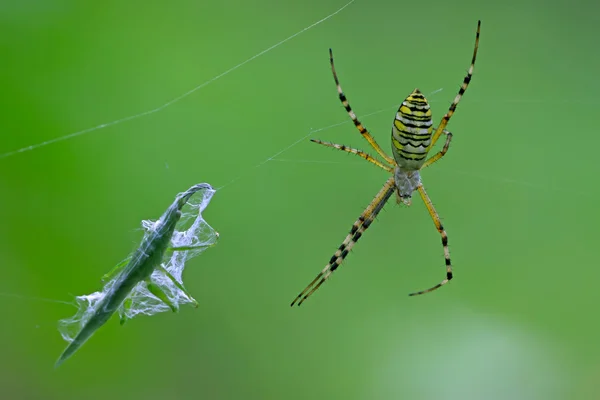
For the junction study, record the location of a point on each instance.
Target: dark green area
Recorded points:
(517, 193)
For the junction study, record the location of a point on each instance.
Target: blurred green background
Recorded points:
(517, 194)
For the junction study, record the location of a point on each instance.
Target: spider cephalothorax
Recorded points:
(406, 183)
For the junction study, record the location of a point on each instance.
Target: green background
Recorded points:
(517, 193)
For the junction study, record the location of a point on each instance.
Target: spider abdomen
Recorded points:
(411, 132)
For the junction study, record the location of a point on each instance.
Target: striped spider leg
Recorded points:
(413, 136)
(358, 228)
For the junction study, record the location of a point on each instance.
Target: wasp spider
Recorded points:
(413, 136)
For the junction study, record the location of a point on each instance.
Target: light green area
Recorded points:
(517, 193)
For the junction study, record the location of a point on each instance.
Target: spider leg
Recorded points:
(441, 153)
(358, 228)
(440, 228)
(462, 90)
(363, 131)
(359, 153)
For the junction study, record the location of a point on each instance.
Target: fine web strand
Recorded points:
(172, 101)
(311, 132)
(34, 298)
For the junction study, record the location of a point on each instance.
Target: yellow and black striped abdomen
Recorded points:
(411, 132)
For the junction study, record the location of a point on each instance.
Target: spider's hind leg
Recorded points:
(358, 228)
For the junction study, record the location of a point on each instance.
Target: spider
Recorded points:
(413, 136)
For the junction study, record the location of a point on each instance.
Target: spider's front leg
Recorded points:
(442, 152)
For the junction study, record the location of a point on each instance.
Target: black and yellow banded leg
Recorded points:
(358, 228)
(441, 153)
(440, 228)
(363, 131)
(461, 91)
(359, 153)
